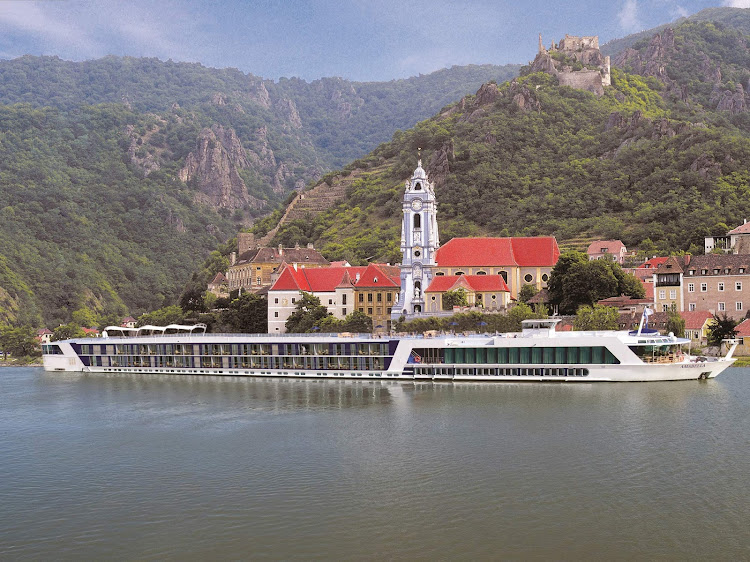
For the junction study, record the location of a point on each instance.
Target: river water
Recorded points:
(148, 467)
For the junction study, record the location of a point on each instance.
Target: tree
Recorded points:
(162, 317)
(675, 323)
(576, 281)
(84, 317)
(307, 315)
(192, 300)
(453, 298)
(19, 342)
(357, 322)
(247, 314)
(67, 332)
(723, 328)
(527, 292)
(596, 318)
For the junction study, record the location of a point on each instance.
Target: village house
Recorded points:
(697, 324)
(371, 289)
(219, 286)
(736, 241)
(44, 336)
(716, 283)
(613, 250)
(488, 292)
(743, 335)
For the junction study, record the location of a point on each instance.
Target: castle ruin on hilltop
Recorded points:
(576, 61)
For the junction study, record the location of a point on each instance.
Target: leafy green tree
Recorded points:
(67, 332)
(85, 317)
(596, 318)
(453, 298)
(527, 292)
(192, 300)
(163, 317)
(19, 342)
(308, 314)
(675, 323)
(576, 281)
(357, 322)
(722, 328)
(247, 314)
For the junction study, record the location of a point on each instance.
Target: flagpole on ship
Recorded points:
(644, 319)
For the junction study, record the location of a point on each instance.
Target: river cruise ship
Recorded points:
(537, 353)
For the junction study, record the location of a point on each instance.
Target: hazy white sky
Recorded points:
(354, 39)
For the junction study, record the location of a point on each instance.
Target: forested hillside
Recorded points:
(658, 161)
(119, 176)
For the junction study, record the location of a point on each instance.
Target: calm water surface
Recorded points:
(139, 467)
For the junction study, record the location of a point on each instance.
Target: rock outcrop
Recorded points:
(214, 167)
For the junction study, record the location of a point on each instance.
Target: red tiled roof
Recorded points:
(474, 252)
(376, 275)
(478, 283)
(219, 278)
(609, 246)
(43, 331)
(291, 280)
(743, 329)
(694, 320)
(742, 229)
(653, 263)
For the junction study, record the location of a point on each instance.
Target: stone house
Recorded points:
(254, 268)
(219, 286)
(716, 283)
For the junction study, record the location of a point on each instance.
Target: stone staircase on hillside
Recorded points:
(310, 203)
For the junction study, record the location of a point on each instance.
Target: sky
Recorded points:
(363, 40)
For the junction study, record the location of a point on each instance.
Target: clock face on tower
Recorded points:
(416, 204)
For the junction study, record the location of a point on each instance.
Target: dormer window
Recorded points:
(727, 270)
(691, 272)
(716, 271)
(742, 270)
(704, 272)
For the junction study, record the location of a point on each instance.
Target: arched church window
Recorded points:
(460, 273)
(504, 275)
(417, 220)
(481, 273)
(439, 274)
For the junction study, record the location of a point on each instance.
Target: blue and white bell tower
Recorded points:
(419, 242)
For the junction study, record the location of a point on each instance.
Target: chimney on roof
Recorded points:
(357, 280)
(233, 258)
(687, 259)
(296, 245)
(310, 246)
(281, 250)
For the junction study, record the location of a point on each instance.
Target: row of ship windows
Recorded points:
(530, 355)
(501, 372)
(373, 349)
(234, 372)
(287, 362)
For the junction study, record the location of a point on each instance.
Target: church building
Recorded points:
(495, 268)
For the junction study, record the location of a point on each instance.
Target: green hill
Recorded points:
(93, 211)
(533, 158)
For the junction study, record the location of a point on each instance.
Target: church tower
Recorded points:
(419, 243)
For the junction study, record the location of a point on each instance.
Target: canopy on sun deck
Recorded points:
(121, 332)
